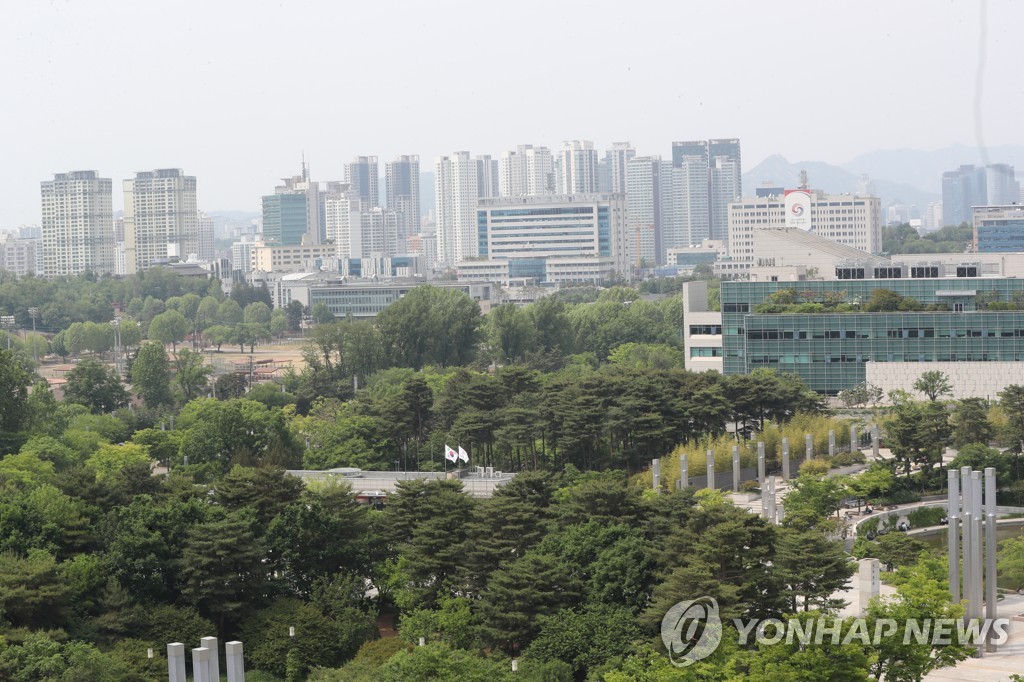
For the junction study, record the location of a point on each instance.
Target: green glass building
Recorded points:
(285, 219)
(829, 347)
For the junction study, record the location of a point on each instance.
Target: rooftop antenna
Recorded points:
(803, 180)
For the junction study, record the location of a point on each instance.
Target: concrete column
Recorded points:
(874, 445)
(853, 439)
(785, 459)
(780, 512)
(656, 474)
(711, 470)
(809, 447)
(771, 500)
(977, 596)
(214, 667)
(831, 443)
(968, 525)
(235, 661)
(760, 462)
(953, 534)
(176, 662)
(735, 468)
(990, 551)
(869, 582)
(764, 502)
(684, 471)
(200, 664)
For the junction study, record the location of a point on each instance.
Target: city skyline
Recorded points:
(921, 84)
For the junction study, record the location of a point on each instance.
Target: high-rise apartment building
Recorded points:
(206, 250)
(364, 178)
(456, 192)
(487, 172)
(18, 256)
(402, 189)
(685, 220)
(527, 171)
(644, 188)
(161, 221)
(579, 168)
(78, 224)
(358, 230)
(616, 160)
(725, 176)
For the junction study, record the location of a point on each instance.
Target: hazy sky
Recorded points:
(233, 92)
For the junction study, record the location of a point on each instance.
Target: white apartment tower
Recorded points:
(161, 221)
(579, 167)
(487, 171)
(456, 194)
(617, 158)
(527, 171)
(206, 251)
(357, 230)
(78, 224)
(685, 218)
(644, 187)
(402, 195)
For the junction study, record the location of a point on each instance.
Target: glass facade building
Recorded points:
(829, 349)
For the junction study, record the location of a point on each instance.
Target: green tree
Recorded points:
(257, 312)
(151, 375)
(430, 325)
(295, 311)
(900, 657)
(584, 638)
(229, 313)
(94, 385)
(971, 423)
(321, 314)
(169, 327)
(222, 567)
(109, 460)
(278, 322)
(519, 594)
(14, 383)
(192, 374)
(811, 568)
(933, 384)
(1011, 561)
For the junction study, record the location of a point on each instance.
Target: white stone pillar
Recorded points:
(656, 474)
(785, 459)
(684, 472)
(735, 468)
(760, 462)
(711, 470)
(809, 447)
(200, 664)
(176, 662)
(869, 582)
(235, 661)
(831, 442)
(214, 665)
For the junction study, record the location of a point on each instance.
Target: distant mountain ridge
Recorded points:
(911, 176)
(780, 172)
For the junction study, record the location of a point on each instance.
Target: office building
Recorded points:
(963, 189)
(456, 191)
(998, 229)
(685, 204)
(578, 167)
(78, 224)
(402, 195)
(358, 230)
(1001, 185)
(364, 179)
(241, 254)
(849, 220)
(550, 238)
(161, 221)
(303, 258)
(293, 214)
